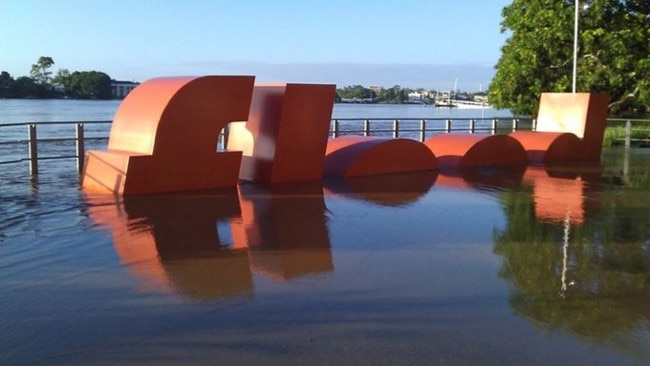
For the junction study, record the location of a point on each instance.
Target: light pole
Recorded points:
(575, 45)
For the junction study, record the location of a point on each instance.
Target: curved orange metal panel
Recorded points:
(549, 147)
(359, 156)
(165, 133)
(468, 150)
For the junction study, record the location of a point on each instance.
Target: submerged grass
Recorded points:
(616, 135)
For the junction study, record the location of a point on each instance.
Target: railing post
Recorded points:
(395, 128)
(335, 129)
(33, 149)
(423, 130)
(81, 151)
(628, 134)
(366, 127)
(493, 128)
(472, 125)
(515, 124)
(534, 124)
(223, 137)
(448, 126)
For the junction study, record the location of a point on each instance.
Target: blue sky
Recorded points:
(416, 43)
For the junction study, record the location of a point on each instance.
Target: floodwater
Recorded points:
(535, 267)
(488, 267)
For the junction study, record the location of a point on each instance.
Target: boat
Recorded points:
(444, 100)
(469, 104)
(449, 99)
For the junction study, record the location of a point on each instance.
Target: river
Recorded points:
(34, 110)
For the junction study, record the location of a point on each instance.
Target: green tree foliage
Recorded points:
(88, 85)
(355, 92)
(25, 86)
(393, 95)
(614, 53)
(61, 76)
(41, 70)
(6, 85)
(41, 84)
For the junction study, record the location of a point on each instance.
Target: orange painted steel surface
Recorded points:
(351, 156)
(470, 150)
(286, 134)
(549, 147)
(570, 126)
(164, 137)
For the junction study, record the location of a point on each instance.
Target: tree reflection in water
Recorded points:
(577, 254)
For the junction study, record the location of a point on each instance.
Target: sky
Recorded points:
(432, 44)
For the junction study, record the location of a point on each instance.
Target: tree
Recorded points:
(614, 53)
(25, 87)
(6, 84)
(41, 70)
(61, 76)
(88, 84)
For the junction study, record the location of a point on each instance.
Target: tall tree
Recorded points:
(61, 76)
(41, 70)
(614, 52)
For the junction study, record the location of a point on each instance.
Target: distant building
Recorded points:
(415, 97)
(59, 88)
(121, 88)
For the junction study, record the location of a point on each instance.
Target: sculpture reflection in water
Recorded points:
(284, 228)
(394, 190)
(572, 265)
(206, 245)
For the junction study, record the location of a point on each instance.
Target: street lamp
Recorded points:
(575, 45)
(575, 42)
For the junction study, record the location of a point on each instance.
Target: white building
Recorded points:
(122, 88)
(415, 97)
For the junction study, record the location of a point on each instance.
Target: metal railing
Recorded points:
(422, 128)
(415, 128)
(630, 130)
(33, 142)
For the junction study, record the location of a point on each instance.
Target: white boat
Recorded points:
(444, 100)
(469, 104)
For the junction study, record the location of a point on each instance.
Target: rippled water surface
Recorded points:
(514, 267)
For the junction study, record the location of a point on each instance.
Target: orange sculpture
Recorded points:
(164, 137)
(352, 156)
(286, 134)
(570, 126)
(470, 150)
